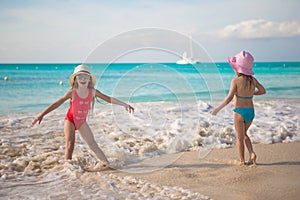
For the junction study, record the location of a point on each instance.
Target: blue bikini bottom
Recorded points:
(247, 113)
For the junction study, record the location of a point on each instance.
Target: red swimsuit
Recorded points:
(79, 109)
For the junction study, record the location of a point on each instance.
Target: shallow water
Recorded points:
(32, 87)
(32, 165)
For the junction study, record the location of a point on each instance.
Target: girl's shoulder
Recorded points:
(70, 91)
(68, 94)
(235, 80)
(238, 81)
(242, 78)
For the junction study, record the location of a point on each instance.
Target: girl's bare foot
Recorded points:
(98, 167)
(242, 163)
(102, 166)
(252, 160)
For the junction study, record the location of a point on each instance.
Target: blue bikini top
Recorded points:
(242, 97)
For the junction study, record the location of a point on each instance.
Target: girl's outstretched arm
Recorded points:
(108, 99)
(52, 107)
(227, 100)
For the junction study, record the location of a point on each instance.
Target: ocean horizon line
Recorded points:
(77, 63)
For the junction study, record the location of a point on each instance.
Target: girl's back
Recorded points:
(245, 88)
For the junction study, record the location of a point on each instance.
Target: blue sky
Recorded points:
(68, 31)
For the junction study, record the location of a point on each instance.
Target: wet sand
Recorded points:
(276, 175)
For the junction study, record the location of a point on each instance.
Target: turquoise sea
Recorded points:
(171, 116)
(31, 87)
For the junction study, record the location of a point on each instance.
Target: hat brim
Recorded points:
(72, 78)
(238, 68)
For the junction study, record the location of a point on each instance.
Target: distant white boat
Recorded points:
(187, 60)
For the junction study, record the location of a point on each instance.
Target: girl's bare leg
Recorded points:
(69, 130)
(252, 155)
(88, 136)
(239, 126)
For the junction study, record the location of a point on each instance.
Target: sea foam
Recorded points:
(32, 157)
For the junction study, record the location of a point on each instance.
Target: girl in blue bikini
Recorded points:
(242, 89)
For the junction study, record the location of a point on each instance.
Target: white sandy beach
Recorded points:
(276, 175)
(155, 153)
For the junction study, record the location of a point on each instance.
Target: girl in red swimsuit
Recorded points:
(81, 97)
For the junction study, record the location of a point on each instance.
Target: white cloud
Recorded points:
(261, 28)
(68, 30)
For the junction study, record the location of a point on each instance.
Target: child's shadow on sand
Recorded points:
(279, 163)
(203, 165)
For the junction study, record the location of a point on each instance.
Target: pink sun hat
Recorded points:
(242, 63)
